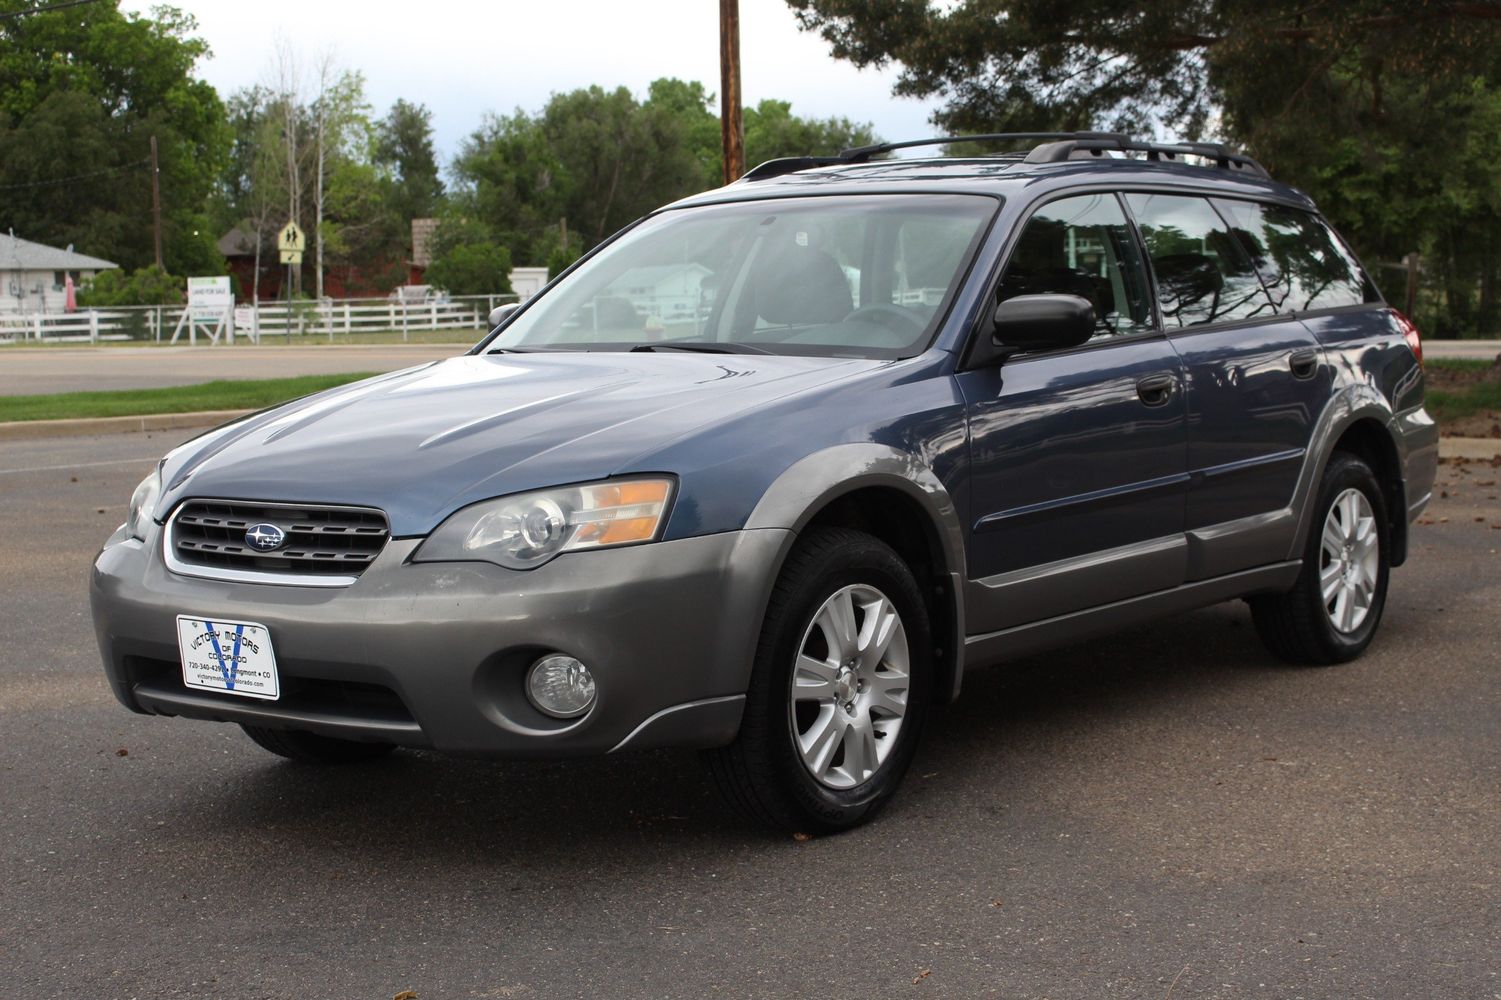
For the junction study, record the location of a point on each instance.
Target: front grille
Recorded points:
(321, 541)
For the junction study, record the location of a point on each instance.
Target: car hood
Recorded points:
(421, 443)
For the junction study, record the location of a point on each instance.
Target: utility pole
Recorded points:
(731, 128)
(156, 205)
(1410, 300)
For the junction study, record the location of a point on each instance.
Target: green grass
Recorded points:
(1439, 367)
(1459, 388)
(1453, 404)
(249, 394)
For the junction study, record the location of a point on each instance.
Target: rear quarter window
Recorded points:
(1302, 263)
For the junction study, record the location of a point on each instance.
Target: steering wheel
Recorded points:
(894, 318)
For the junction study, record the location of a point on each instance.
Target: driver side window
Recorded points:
(1083, 246)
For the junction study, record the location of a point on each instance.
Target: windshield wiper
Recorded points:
(718, 347)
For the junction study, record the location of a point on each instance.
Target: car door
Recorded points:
(1077, 456)
(1257, 379)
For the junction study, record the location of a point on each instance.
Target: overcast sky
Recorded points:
(462, 59)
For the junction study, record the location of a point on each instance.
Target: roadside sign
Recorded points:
(290, 238)
(210, 298)
(244, 318)
(291, 257)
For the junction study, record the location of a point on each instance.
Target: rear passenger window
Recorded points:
(1302, 263)
(1083, 246)
(1203, 274)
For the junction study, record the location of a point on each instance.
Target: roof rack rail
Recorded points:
(1157, 152)
(1055, 147)
(862, 154)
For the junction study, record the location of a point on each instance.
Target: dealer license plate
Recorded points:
(229, 657)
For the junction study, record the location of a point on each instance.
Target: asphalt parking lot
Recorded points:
(1164, 813)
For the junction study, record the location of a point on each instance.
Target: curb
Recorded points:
(1485, 449)
(27, 430)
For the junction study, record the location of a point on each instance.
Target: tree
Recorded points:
(342, 135)
(597, 160)
(1383, 111)
(407, 163)
(772, 130)
(147, 286)
(472, 269)
(251, 193)
(82, 91)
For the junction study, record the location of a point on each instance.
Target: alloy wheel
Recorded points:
(1349, 560)
(848, 694)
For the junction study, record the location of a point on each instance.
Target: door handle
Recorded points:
(1304, 363)
(1156, 390)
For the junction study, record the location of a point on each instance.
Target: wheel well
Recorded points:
(902, 523)
(1370, 442)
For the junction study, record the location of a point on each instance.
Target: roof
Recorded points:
(238, 242)
(17, 254)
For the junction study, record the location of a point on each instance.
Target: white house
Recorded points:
(32, 275)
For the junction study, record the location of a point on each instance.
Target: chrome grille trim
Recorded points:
(328, 545)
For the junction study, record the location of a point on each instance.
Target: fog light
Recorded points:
(560, 686)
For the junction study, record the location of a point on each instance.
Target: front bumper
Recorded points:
(435, 654)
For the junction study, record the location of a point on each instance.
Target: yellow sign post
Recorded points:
(290, 238)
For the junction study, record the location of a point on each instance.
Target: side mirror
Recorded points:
(499, 313)
(1042, 323)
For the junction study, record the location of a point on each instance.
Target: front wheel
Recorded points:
(1331, 613)
(839, 690)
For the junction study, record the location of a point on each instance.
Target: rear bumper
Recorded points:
(1419, 434)
(434, 655)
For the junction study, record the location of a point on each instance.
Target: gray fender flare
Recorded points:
(1349, 406)
(814, 481)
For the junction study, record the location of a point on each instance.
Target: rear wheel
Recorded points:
(839, 690)
(310, 748)
(1332, 611)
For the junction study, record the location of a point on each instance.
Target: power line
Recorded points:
(41, 10)
(134, 165)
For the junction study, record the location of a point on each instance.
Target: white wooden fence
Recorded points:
(277, 320)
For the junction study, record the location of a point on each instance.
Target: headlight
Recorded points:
(525, 531)
(143, 505)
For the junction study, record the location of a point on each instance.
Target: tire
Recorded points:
(1301, 626)
(310, 748)
(811, 755)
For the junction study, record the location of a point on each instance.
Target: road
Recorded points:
(37, 370)
(1167, 811)
(27, 371)
(1477, 350)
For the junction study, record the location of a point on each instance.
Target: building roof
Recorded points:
(17, 254)
(239, 241)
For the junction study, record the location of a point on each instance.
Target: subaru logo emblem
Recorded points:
(265, 537)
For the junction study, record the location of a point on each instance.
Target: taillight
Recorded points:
(1410, 334)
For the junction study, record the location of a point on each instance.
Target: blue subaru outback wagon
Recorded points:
(768, 471)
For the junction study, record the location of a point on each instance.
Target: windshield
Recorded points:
(865, 277)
